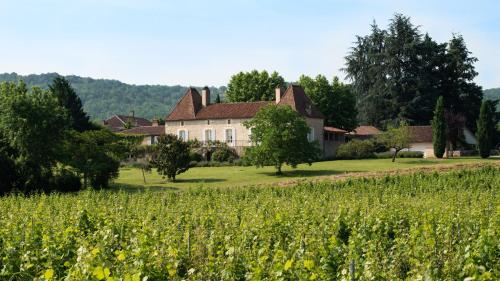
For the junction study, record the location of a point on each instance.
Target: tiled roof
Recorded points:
(296, 98)
(187, 107)
(146, 130)
(365, 131)
(334, 130)
(190, 108)
(136, 121)
(421, 133)
(231, 110)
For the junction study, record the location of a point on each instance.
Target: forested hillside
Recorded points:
(102, 97)
(493, 94)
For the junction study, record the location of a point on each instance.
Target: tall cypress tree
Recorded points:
(68, 99)
(485, 127)
(439, 129)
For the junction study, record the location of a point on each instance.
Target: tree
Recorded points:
(398, 74)
(67, 98)
(95, 155)
(280, 135)
(455, 124)
(253, 86)
(439, 129)
(217, 98)
(171, 156)
(32, 127)
(336, 100)
(397, 138)
(485, 128)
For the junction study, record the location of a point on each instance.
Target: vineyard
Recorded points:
(435, 226)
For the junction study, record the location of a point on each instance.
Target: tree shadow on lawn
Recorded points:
(305, 173)
(200, 180)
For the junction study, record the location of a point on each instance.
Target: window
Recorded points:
(209, 136)
(310, 135)
(208, 122)
(228, 121)
(229, 135)
(249, 135)
(183, 135)
(154, 139)
(182, 123)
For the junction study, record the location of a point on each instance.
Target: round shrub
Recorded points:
(66, 181)
(356, 149)
(224, 154)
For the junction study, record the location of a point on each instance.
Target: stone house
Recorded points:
(117, 123)
(195, 118)
(150, 133)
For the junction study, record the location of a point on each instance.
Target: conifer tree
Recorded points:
(485, 129)
(439, 129)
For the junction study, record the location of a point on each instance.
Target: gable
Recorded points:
(187, 107)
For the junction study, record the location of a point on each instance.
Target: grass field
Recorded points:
(131, 178)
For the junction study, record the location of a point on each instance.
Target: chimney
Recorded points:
(279, 93)
(155, 122)
(205, 96)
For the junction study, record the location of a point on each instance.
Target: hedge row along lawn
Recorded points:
(435, 226)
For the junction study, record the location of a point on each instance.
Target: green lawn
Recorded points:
(131, 178)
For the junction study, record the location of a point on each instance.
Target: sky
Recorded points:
(199, 43)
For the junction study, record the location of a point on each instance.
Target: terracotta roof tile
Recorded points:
(296, 98)
(136, 121)
(231, 110)
(421, 133)
(334, 130)
(145, 130)
(365, 131)
(187, 107)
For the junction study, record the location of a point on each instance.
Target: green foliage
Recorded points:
(67, 98)
(65, 180)
(396, 138)
(102, 98)
(96, 155)
(171, 156)
(485, 128)
(279, 135)
(439, 129)
(393, 228)
(398, 74)
(217, 98)
(224, 153)
(32, 128)
(494, 95)
(356, 149)
(336, 100)
(253, 86)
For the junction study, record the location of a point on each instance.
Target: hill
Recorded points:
(103, 97)
(493, 94)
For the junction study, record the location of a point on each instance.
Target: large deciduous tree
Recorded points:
(253, 86)
(67, 98)
(335, 100)
(439, 129)
(485, 128)
(280, 135)
(32, 128)
(398, 74)
(171, 156)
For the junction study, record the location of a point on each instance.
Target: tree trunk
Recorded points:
(278, 169)
(394, 155)
(143, 176)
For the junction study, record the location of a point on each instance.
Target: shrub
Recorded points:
(66, 181)
(356, 149)
(402, 154)
(224, 154)
(195, 157)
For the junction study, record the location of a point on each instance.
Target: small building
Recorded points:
(422, 140)
(117, 123)
(363, 132)
(150, 133)
(333, 138)
(194, 117)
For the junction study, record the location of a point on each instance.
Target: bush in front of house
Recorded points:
(65, 181)
(356, 149)
(224, 153)
(402, 154)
